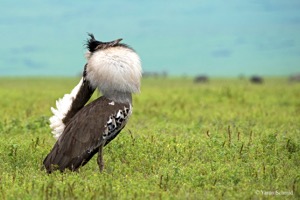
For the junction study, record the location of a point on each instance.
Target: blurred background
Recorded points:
(211, 37)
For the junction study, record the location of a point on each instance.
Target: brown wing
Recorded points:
(83, 135)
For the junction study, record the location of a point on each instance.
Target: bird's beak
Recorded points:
(104, 45)
(113, 43)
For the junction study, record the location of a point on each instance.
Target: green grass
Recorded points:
(223, 139)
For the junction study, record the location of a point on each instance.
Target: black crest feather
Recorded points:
(92, 43)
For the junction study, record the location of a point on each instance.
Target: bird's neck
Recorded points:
(117, 96)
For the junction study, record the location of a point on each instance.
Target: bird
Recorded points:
(83, 129)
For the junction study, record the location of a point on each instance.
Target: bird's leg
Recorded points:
(100, 160)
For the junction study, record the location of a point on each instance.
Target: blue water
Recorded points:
(215, 38)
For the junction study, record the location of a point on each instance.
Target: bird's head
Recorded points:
(113, 66)
(94, 45)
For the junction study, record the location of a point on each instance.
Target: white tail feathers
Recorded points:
(63, 106)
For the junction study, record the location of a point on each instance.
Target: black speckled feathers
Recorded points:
(93, 126)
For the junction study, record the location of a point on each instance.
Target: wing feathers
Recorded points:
(96, 123)
(116, 123)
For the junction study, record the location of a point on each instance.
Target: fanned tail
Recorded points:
(63, 106)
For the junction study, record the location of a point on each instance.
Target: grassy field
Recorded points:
(225, 139)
